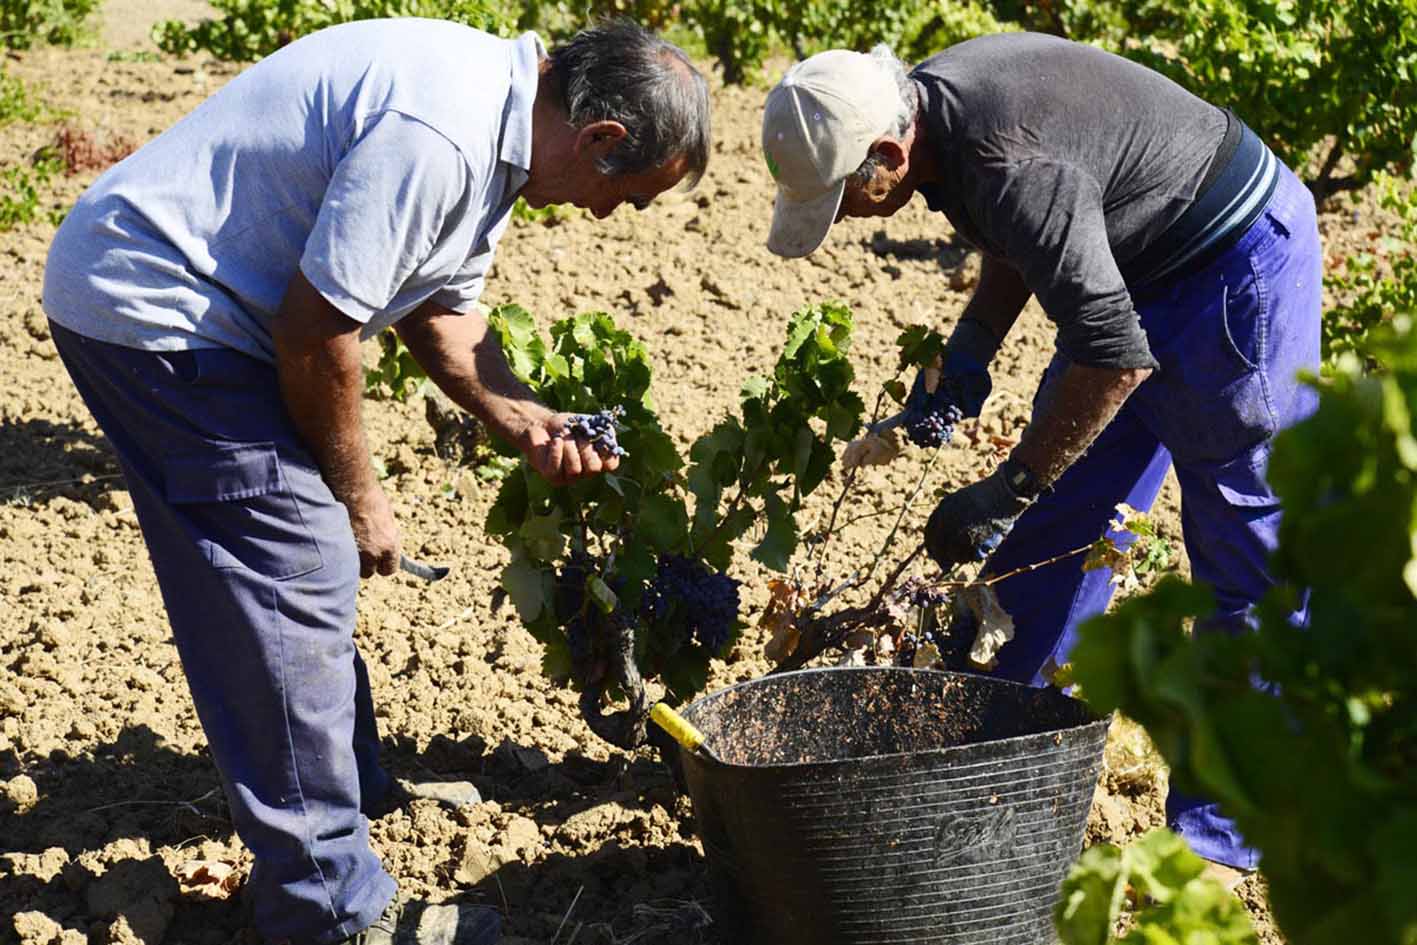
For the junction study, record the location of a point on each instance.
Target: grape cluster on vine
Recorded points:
(572, 609)
(934, 427)
(703, 603)
(598, 429)
(918, 593)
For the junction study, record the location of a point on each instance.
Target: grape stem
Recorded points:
(830, 531)
(822, 634)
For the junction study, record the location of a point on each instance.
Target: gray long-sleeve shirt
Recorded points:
(1066, 162)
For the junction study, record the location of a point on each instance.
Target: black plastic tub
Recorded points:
(879, 805)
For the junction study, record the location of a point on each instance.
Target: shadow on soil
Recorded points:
(948, 254)
(139, 788)
(616, 894)
(40, 459)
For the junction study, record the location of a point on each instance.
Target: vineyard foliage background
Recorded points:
(105, 797)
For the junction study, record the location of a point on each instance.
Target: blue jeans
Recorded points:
(1230, 339)
(258, 571)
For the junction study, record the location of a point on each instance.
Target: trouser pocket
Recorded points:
(1210, 400)
(240, 509)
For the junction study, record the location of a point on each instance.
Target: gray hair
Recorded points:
(619, 71)
(906, 105)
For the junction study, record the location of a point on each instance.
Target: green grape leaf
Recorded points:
(1160, 864)
(1092, 897)
(776, 548)
(557, 367)
(718, 551)
(511, 507)
(636, 563)
(600, 592)
(819, 465)
(653, 450)
(530, 587)
(756, 388)
(541, 536)
(663, 522)
(919, 346)
(844, 416)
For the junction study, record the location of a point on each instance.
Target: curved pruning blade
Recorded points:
(428, 572)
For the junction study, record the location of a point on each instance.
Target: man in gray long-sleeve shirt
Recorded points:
(1178, 259)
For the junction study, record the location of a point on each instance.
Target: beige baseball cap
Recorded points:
(818, 126)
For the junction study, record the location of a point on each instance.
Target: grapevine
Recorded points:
(629, 576)
(626, 576)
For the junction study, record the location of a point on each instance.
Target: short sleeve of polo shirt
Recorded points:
(399, 192)
(1047, 217)
(464, 289)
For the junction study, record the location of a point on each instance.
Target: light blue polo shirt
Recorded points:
(380, 157)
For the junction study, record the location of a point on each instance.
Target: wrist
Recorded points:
(516, 420)
(1020, 479)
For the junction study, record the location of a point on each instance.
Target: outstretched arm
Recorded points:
(1073, 409)
(465, 360)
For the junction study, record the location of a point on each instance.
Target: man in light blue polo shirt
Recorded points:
(208, 296)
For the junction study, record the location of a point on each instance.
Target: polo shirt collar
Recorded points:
(527, 53)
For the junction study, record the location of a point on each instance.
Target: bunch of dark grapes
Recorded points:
(571, 609)
(599, 430)
(704, 602)
(917, 593)
(936, 427)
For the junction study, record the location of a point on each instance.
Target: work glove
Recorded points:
(969, 523)
(964, 373)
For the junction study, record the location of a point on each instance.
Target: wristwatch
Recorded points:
(1020, 479)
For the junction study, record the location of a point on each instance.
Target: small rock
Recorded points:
(22, 791)
(213, 879)
(521, 833)
(475, 863)
(36, 928)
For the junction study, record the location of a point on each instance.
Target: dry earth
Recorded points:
(107, 797)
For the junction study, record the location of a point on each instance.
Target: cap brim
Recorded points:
(799, 226)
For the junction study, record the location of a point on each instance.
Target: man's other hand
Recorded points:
(376, 534)
(558, 456)
(969, 523)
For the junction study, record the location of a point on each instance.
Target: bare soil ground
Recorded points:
(107, 797)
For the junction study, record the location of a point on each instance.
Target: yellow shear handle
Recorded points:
(678, 727)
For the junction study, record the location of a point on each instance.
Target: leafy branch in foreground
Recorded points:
(1161, 879)
(1319, 766)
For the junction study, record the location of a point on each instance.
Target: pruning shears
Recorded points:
(888, 424)
(429, 572)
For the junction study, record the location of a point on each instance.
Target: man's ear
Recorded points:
(891, 151)
(599, 138)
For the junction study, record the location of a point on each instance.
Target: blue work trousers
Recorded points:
(1230, 340)
(258, 571)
